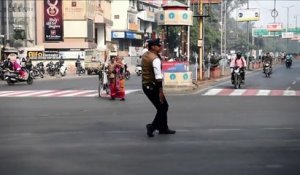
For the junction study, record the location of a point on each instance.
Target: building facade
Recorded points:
(134, 21)
(59, 27)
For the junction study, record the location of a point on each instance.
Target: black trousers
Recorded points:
(160, 121)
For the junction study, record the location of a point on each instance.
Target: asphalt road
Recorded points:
(216, 135)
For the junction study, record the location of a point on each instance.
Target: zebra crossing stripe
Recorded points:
(289, 93)
(56, 93)
(33, 93)
(213, 92)
(263, 92)
(238, 92)
(78, 93)
(250, 92)
(13, 93)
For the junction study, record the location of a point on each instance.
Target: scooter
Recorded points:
(288, 63)
(138, 70)
(267, 70)
(13, 77)
(63, 70)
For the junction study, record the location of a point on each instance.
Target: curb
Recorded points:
(199, 85)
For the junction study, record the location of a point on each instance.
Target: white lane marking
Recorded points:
(78, 93)
(263, 92)
(34, 93)
(213, 92)
(224, 129)
(57, 93)
(11, 94)
(5, 92)
(289, 93)
(288, 88)
(294, 82)
(277, 128)
(238, 92)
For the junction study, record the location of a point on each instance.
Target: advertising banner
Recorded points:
(53, 20)
(180, 78)
(175, 17)
(248, 15)
(274, 27)
(287, 34)
(174, 66)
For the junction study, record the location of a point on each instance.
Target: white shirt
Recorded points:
(144, 51)
(157, 68)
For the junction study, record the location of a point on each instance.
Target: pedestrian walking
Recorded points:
(153, 88)
(117, 79)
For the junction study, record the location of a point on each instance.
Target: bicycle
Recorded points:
(103, 85)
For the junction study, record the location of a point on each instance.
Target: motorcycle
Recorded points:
(2, 71)
(13, 77)
(63, 70)
(267, 69)
(138, 70)
(37, 72)
(50, 68)
(237, 78)
(288, 63)
(79, 69)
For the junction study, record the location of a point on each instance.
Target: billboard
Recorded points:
(248, 15)
(175, 17)
(274, 27)
(53, 20)
(287, 34)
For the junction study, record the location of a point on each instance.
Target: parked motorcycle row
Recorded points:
(57, 68)
(27, 74)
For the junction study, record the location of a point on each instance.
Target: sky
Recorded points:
(266, 6)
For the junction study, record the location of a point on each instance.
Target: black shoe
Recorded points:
(150, 130)
(122, 99)
(112, 98)
(168, 131)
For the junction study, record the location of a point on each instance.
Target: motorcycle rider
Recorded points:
(28, 63)
(267, 59)
(238, 61)
(61, 61)
(78, 65)
(8, 64)
(289, 58)
(17, 68)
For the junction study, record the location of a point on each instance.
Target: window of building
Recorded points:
(116, 16)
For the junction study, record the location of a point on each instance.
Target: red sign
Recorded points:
(174, 66)
(53, 20)
(274, 27)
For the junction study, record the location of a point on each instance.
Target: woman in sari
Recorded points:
(117, 80)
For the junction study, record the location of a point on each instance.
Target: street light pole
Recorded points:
(7, 22)
(248, 42)
(287, 25)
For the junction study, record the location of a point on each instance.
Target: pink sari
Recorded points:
(117, 84)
